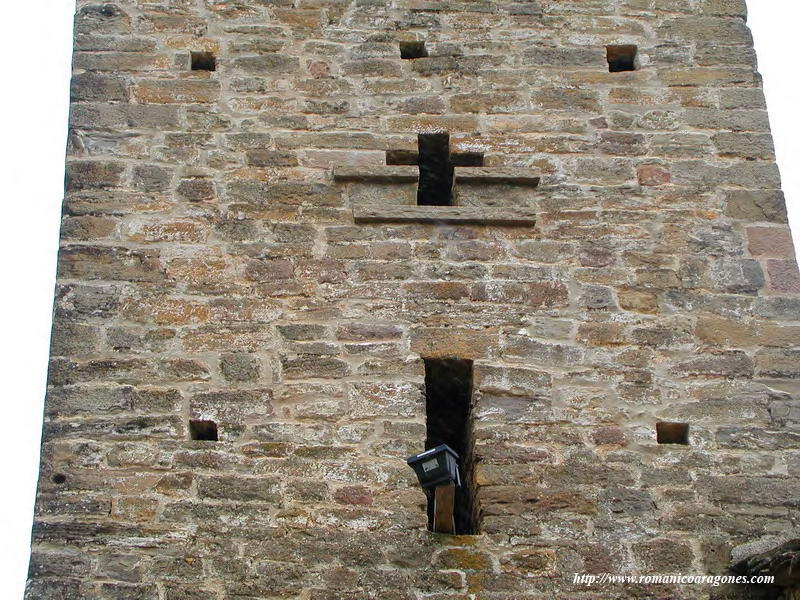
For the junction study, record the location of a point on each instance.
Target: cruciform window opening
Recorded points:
(436, 167)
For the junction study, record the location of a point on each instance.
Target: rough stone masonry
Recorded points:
(248, 292)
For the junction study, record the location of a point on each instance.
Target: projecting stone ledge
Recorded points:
(481, 215)
(496, 175)
(783, 563)
(379, 174)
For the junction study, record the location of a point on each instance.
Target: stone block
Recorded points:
(394, 194)
(176, 91)
(311, 367)
(663, 555)
(240, 489)
(231, 409)
(721, 364)
(749, 146)
(738, 276)
(784, 275)
(453, 342)
(96, 87)
(90, 175)
(756, 205)
(271, 158)
(104, 18)
(770, 241)
(239, 367)
(766, 491)
(109, 263)
(778, 363)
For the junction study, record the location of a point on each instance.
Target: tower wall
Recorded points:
(235, 251)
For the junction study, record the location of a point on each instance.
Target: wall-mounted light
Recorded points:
(435, 467)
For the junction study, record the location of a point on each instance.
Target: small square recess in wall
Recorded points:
(204, 431)
(621, 58)
(204, 61)
(410, 50)
(672, 433)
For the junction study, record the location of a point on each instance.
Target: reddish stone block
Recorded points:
(653, 175)
(770, 241)
(783, 276)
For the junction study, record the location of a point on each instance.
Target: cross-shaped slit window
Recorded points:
(436, 167)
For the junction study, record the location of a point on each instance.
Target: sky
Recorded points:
(36, 47)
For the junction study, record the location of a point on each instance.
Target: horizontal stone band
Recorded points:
(379, 174)
(486, 215)
(496, 175)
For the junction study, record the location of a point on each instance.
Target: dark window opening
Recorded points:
(436, 167)
(435, 170)
(672, 433)
(448, 406)
(458, 159)
(205, 431)
(204, 61)
(410, 50)
(621, 58)
(59, 478)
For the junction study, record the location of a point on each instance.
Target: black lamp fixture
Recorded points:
(437, 471)
(435, 467)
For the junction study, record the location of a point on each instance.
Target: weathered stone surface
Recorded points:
(239, 367)
(723, 364)
(447, 214)
(783, 275)
(375, 174)
(756, 205)
(770, 241)
(651, 175)
(249, 297)
(87, 175)
(166, 91)
(109, 263)
(463, 343)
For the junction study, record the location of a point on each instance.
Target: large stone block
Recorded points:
(176, 91)
(453, 342)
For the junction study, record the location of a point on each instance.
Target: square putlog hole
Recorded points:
(672, 433)
(205, 431)
(204, 61)
(621, 58)
(410, 50)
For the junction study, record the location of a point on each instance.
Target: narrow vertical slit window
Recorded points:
(435, 170)
(448, 405)
(621, 58)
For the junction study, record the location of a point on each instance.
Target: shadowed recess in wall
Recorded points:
(448, 406)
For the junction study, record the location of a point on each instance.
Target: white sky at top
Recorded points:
(36, 48)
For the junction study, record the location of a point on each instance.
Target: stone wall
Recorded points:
(213, 268)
